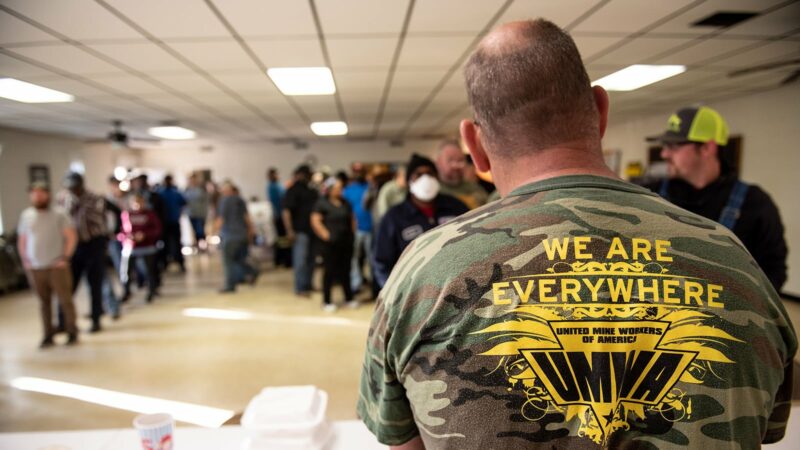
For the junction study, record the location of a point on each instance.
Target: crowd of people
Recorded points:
(354, 225)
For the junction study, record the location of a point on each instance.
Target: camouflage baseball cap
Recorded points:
(695, 124)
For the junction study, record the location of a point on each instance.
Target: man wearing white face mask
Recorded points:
(423, 209)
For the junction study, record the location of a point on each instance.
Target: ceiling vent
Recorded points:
(725, 19)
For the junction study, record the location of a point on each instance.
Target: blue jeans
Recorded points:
(303, 262)
(199, 228)
(110, 299)
(234, 259)
(361, 254)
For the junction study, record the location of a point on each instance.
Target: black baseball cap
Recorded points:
(694, 124)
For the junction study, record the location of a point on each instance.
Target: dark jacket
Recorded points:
(758, 226)
(402, 224)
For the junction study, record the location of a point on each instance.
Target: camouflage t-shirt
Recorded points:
(578, 312)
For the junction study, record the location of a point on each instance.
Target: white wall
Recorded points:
(246, 163)
(769, 123)
(20, 149)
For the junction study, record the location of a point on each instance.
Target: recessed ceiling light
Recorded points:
(30, 93)
(303, 80)
(636, 76)
(329, 128)
(172, 132)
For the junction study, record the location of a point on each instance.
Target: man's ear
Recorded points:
(710, 148)
(471, 135)
(602, 102)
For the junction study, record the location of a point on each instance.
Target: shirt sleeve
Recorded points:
(24, 223)
(385, 252)
(382, 402)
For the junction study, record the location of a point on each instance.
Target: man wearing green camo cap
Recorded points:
(579, 311)
(702, 180)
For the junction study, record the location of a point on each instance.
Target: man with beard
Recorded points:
(46, 242)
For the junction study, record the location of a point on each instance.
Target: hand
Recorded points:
(60, 263)
(291, 236)
(326, 237)
(138, 236)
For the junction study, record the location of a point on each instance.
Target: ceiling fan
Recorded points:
(118, 138)
(794, 76)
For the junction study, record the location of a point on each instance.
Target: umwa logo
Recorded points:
(606, 337)
(625, 365)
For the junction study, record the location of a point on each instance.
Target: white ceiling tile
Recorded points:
(638, 14)
(418, 80)
(253, 82)
(588, 46)
(78, 19)
(188, 83)
(173, 18)
(129, 84)
(682, 23)
(215, 55)
(362, 16)
(433, 51)
(268, 17)
(560, 12)
(289, 53)
(636, 51)
(15, 68)
(320, 108)
(771, 52)
(705, 50)
(14, 31)
(68, 58)
(361, 52)
(452, 15)
(142, 55)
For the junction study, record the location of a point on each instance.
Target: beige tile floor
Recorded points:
(155, 350)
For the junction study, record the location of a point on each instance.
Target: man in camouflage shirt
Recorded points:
(579, 311)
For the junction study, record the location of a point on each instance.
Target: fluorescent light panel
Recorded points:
(303, 80)
(172, 132)
(329, 128)
(637, 76)
(30, 93)
(185, 412)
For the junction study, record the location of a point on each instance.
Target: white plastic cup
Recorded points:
(155, 431)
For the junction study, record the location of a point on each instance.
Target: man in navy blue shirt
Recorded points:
(174, 202)
(423, 209)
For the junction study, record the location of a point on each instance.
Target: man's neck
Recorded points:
(420, 204)
(548, 163)
(704, 177)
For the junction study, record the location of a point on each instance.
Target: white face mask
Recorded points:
(424, 188)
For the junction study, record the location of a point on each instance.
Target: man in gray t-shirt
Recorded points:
(235, 230)
(46, 241)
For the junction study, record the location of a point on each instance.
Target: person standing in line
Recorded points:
(88, 212)
(354, 194)
(334, 224)
(115, 203)
(154, 202)
(46, 241)
(392, 193)
(141, 229)
(510, 326)
(297, 206)
(451, 163)
(275, 195)
(423, 209)
(174, 203)
(197, 208)
(235, 231)
(703, 181)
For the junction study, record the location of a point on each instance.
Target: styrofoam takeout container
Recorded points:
(292, 412)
